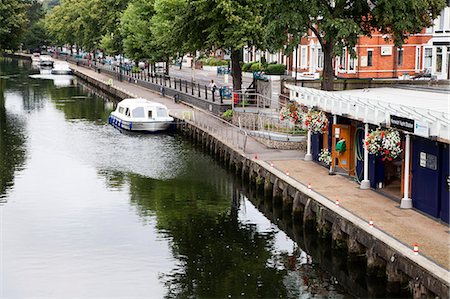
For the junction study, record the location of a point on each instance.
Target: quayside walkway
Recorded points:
(401, 228)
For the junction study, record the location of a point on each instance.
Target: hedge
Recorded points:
(275, 69)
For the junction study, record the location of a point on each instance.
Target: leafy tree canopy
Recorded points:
(338, 23)
(13, 20)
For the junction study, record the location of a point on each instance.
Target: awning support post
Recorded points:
(406, 202)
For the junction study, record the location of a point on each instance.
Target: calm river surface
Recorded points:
(88, 212)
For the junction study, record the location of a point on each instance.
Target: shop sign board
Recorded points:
(421, 129)
(402, 123)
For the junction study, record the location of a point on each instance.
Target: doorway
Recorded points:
(393, 177)
(343, 161)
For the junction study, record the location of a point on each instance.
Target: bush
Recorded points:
(276, 69)
(135, 69)
(228, 113)
(256, 67)
(211, 61)
(246, 66)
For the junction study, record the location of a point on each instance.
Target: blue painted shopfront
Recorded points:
(430, 170)
(445, 183)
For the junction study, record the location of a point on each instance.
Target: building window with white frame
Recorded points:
(304, 57)
(399, 56)
(438, 59)
(417, 62)
(343, 60)
(320, 58)
(369, 57)
(427, 58)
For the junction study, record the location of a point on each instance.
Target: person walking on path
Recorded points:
(212, 86)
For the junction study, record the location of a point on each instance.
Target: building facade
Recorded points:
(419, 177)
(426, 54)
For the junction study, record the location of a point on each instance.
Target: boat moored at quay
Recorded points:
(140, 115)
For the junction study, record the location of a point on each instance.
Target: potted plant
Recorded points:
(291, 113)
(384, 143)
(316, 121)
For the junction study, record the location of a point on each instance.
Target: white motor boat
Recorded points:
(140, 115)
(45, 61)
(36, 57)
(61, 68)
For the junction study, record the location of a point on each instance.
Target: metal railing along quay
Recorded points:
(122, 73)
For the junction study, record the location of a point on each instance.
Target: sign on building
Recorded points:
(402, 123)
(409, 125)
(386, 50)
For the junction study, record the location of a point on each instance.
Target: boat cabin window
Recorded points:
(127, 112)
(138, 112)
(150, 114)
(161, 112)
(121, 110)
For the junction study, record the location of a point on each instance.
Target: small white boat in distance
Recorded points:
(61, 68)
(140, 115)
(45, 61)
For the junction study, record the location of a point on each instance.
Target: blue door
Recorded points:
(316, 145)
(425, 176)
(445, 183)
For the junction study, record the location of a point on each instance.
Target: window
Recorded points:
(369, 57)
(161, 112)
(138, 112)
(304, 57)
(438, 59)
(127, 112)
(441, 20)
(351, 64)
(417, 63)
(399, 56)
(428, 54)
(320, 58)
(343, 60)
(150, 114)
(121, 110)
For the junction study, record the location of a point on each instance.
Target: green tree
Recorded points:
(35, 35)
(13, 19)
(167, 43)
(338, 23)
(222, 24)
(135, 29)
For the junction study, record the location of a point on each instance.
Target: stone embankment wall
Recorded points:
(382, 260)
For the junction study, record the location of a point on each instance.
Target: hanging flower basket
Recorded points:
(316, 121)
(325, 156)
(384, 143)
(291, 113)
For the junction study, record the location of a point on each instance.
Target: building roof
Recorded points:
(427, 111)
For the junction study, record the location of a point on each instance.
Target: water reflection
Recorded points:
(97, 213)
(12, 146)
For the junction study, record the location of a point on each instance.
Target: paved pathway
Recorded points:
(405, 226)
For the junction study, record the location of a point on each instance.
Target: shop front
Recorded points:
(401, 155)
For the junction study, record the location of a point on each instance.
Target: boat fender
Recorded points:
(120, 125)
(131, 125)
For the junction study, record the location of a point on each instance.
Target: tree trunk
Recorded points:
(236, 70)
(328, 72)
(167, 67)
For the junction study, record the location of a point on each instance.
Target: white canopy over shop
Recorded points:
(419, 112)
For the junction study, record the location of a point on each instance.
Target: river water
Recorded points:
(88, 212)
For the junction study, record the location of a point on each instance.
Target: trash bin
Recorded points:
(236, 98)
(176, 98)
